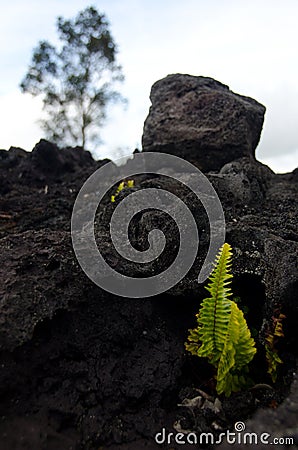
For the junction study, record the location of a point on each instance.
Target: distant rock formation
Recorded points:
(201, 120)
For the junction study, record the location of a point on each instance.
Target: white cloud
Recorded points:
(18, 116)
(282, 163)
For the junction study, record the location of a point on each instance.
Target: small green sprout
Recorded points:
(130, 183)
(122, 185)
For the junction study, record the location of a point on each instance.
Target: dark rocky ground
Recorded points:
(83, 369)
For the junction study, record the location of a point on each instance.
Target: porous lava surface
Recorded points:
(201, 120)
(81, 368)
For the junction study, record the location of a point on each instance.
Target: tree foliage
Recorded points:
(75, 80)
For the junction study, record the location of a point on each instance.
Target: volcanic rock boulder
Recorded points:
(201, 120)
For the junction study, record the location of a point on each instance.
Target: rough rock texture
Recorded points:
(83, 369)
(280, 424)
(201, 120)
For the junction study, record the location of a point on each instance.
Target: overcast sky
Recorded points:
(250, 45)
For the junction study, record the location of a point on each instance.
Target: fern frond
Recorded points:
(193, 345)
(238, 351)
(227, 357)
(245, 348)
(213, 318)
(222, 334)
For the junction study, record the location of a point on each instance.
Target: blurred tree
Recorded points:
(75, 81)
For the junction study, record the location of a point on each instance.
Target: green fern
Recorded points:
(222, 334)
